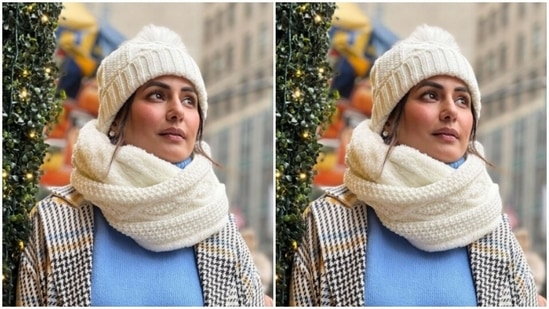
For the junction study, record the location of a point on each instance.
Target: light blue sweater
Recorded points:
(399, 274)
(126, 274)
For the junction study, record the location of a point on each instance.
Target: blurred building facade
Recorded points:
(506, 44)
(237, 64)
(233, 46)
(510, 63)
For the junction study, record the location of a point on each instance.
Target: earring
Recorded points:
(384, 133)
(111, 133)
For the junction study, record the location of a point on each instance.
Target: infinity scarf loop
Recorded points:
(159, 205)
(431, 204)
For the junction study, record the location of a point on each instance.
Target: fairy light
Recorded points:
(48, 70)
(44, 19)
(4, 174)
(277, 174)
(297, 93)
(298, 73)
(318, 18)
(32, 134)
(29, 176)
(21, 245)
(294, 245)
(302, 176)
(25, 73)
(305, 134)
(24, 94)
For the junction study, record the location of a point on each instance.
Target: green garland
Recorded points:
(29, 102)
(302, 105)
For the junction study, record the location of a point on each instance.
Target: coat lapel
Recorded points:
(70, 242)
(344, 219)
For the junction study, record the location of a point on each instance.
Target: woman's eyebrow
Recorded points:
(439, 86)
(167, 87)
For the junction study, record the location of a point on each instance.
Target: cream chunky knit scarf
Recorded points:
(431, 204)
(159, 205)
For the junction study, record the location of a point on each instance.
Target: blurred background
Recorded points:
(507, 45)
(233, 46)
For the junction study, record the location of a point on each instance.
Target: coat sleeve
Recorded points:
(523, 285)
(305, 282)
(31, 289)
(249, 274)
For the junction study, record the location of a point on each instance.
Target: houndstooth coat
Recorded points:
(330, 263)
(56, 264)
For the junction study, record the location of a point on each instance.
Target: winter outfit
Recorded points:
(155, 207)
(431, 222)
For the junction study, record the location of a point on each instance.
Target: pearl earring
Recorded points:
(111, 133)
(384, 133)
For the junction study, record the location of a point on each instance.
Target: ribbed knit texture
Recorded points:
(399, 274)
(427, 52)
(157, 204)
(432, 205)
(154, 52)
(125, 274)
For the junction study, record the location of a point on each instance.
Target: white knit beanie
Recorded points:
(154, 52)
(427, 52)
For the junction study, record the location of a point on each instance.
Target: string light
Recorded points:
(298, 73)
(294, 245)
(277, 174)
(32, 134)
(29, 176)
(21, 245)
(23, 94)
(297, 94)
(318, 18)
(305, 134)
(302, 176)
(44, 19)
(25, 73)
(4, 174)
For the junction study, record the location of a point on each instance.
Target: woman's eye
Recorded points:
(430, 95)
(189, 101)
(463, 101)
(156, 95)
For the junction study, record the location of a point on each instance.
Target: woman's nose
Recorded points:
(448, 109)
(175, 110)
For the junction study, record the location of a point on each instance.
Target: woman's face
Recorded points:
(164, 119)
(437, 118)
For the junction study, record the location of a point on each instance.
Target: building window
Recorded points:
(244, 91)
(521, 10)
(493, 22)
(536, 40)
(248, 8)
(219, 23)
(247, 49)
(263, 40)
(207, 30)
(504, 14)
(491, 64)
(503, 57)
(480, 34)
(532, 84)
(229, 58)
(231, 15)
(520, 48)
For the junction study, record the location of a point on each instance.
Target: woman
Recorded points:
(145, 221)
(418, 221)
